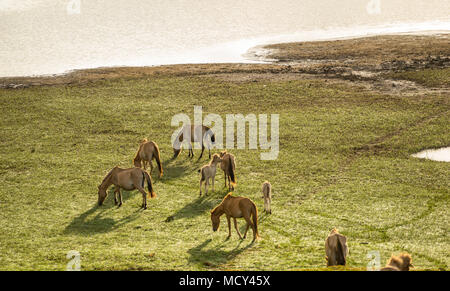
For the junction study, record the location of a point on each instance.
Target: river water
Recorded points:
(55, 36)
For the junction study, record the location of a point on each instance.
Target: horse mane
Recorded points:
(108, 175)
(334, 230)
(224, 198)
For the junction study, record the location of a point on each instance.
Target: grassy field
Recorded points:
(344, 162)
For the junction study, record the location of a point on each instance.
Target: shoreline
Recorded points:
(254, 43)
(309, 57)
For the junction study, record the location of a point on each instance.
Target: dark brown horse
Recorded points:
(193, 134)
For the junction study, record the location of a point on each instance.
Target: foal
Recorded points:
(128, 179)
(148, 150)
(228, 166)
(401, 263)
(267, 195)
(336, 248)
(236, 207)
(209, 172)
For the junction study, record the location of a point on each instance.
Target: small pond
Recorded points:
(441, 155)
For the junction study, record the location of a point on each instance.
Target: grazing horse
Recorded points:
(399, 263)
(197, 134)
(148, 150)
(128, 179)
(208, 172)
(236, 207)
(228, 166)
(336, 248)
(267, 195)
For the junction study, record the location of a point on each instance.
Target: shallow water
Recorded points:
(442, 154)
(51, 36)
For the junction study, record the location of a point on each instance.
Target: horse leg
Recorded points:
(225, 177)
(120, 196)
(213, 178)
(115, 195)
(206, 186)
(249, 223)
(201, 186)
(191, 151)
(203, 148)
(144, 197)
(151, 167)
(246, 229)
(236, 227)
(229, 227)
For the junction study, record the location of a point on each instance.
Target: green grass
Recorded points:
(344, 162)
(428, 77)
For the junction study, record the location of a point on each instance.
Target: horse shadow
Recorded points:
(199, 205)
(195, 208)
(217, 256)
(173, 171)
(101, 223)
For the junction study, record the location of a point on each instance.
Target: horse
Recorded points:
(267, 196)
(128, 179)
(194, 137)
(209, 172)
(236, 207)
(399, 263)
(148, 150)
(336, 248)
(228, 166)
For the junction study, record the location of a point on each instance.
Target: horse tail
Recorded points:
(255, 218)
(149, 184)
(231, 173)
(340, 257)
(158, 160)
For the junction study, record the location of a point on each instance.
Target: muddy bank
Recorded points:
(381, 63)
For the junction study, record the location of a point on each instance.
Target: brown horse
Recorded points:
(228, 166)
(148, 150)
(197, 134)
(236, 207)
(399, 263)
(336, 248)
(128, 179)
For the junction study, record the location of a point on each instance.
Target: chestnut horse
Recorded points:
(236, 207)
(197, 134)
(128, 179)
(148, 150)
